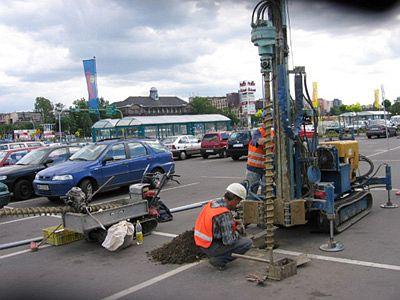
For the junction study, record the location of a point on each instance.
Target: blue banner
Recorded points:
(89, 66)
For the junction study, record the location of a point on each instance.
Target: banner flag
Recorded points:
(89, 67)
(315, 94)
(376, 102)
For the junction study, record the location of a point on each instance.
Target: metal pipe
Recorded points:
(189, 206)
(19, 243)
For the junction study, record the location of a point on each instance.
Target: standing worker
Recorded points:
(256, 158)
(216, 231)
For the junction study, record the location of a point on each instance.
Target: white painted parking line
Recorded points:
(179, 186)
(19, 220)
(321, 257)
(341, 260)
(21, 252)
(150, 282)
(164, 234)
(383, 151)
(222, 177)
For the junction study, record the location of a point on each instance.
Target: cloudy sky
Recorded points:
(186, 48)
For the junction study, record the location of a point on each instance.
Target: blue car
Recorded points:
(94, 164)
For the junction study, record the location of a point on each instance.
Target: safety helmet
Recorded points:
(238, 190)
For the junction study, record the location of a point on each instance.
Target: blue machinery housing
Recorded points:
(159, 126)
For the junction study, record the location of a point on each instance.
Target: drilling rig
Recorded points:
(306, 180)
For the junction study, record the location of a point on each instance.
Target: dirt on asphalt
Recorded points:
(180, 250)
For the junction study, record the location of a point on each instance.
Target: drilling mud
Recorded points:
(180, 250)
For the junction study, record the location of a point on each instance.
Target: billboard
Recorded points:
(89, 67)
(247, 97)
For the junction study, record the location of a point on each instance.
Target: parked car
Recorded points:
(238, 144)
(94, 164)
(11, 157)
(378, 128)
(21, 145)
(19, 177)
(356, 125)
(214, 144)
(331, 127)
(182, 146)
(4, 195)
(307, 131)
(395, 120)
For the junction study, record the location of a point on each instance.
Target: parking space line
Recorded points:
(321, 257)
(150, 282)
(179, 186)
(19, 220)
(21, 252)
(341, 260)
(383, 151)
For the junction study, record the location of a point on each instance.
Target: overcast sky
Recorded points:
(186, 48)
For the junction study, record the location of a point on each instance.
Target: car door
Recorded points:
(183, 144)
(138, 160)
(116, 164)
(57, 156)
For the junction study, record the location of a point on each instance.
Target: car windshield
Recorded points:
(239, 136)
(34, 157)
(169, 140)
(2, 155)
(376, 122)
(89, 152)
(211, 137)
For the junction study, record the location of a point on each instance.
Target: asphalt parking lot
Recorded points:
(368, 268)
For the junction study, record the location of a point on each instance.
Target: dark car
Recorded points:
(238, 144)
(95, 164)
(214, 144)
(378, 128)
(19, 177)
(4, 195)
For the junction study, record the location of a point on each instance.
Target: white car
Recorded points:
(182, 146)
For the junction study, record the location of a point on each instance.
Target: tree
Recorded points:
(354, 107)
(227, 112)
(201, 105)
(395, 109)
(45, 108)
(335, 111)
(387, 104)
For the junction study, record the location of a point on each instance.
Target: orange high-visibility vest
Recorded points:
(203, 229)
(256, 155)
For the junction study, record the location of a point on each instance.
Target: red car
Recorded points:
(309, 131)
(11, 157)
(214, 143)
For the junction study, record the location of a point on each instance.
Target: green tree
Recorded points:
(354, 107)
(395, 108)
(335, 111)
(227, 112)
(45, 108)
(387, 104)
(201, 105)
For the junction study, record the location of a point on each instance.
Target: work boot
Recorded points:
(217, 264)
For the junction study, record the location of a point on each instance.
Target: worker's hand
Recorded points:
(239, 228)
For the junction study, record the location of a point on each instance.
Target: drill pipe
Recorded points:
(59, 210)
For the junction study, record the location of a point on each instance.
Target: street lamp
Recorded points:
(59, 122)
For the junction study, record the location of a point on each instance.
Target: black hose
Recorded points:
(371, 166)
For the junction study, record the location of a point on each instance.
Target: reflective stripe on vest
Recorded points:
(256, 155)
(203, 229)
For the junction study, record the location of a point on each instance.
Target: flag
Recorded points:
(89, 67)
(315, 94)
(376, 101)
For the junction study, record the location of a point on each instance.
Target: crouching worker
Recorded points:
(215, 230)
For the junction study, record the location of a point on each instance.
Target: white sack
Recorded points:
(116, 235)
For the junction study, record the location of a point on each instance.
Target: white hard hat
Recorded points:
(238, 190)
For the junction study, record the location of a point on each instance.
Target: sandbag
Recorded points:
(119, 236)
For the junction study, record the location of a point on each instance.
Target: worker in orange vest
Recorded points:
(216, 231)
(256, 159)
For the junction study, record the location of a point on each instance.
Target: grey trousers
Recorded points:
(221, 254)
(255, 180)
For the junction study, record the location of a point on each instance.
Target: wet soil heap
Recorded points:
(180, 250)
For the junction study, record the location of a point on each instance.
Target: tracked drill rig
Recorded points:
(306, 180)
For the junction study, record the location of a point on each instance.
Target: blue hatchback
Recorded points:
(94, 164)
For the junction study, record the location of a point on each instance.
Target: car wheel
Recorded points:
(23, 189)
(87, 187)
(182, 155)
(222, 154)
(205, 156)
(368, 136)
(235, 157)
(395, 133)
(54, 199)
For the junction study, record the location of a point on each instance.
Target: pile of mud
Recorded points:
(180, 250)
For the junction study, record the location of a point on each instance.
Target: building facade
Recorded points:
(21, 117)
(152, 105)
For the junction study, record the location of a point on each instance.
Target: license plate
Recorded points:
(43, 187)
(374, 128)
(210, 151)
(237, 145)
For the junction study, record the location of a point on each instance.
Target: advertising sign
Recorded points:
(89, 66)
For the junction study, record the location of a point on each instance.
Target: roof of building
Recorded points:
(154, 120)
(146, 101)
